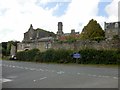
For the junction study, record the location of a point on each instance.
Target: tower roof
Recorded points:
(60, 23)
(31, 26)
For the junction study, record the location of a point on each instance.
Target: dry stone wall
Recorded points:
(78, 45)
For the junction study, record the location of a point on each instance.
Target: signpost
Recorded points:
(76, 56)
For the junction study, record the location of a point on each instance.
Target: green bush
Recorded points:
(99, 56)
(89, 56)
(28, 55)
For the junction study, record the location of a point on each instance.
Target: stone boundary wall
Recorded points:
(104, 45)
(78, 45)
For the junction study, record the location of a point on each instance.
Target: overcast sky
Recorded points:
(17, 15)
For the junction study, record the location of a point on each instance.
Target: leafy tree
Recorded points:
(6, 47)
(92, 30)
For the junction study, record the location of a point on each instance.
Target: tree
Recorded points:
(6, 47)
(92, 30)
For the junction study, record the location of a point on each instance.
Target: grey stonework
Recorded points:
(60, 29)
(36, 39)
(35, 34)
(42, 46)
(112, 29)
(82, 44)
(13, 50)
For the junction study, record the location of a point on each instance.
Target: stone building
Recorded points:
(36, 38)
(112, 29)
(35, 34)
(43, 40)
(60, 29)
(13, 50)
(61, 35)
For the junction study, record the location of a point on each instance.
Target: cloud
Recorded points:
(112, 11)
(78, 14)
(17, 15)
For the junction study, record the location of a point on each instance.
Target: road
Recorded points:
(37, 75)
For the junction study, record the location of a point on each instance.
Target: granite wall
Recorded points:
(43, 46)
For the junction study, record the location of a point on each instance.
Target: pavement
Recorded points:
(41, 75)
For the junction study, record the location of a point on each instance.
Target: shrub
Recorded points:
(92, 56)
(89, 56)
(27, 55)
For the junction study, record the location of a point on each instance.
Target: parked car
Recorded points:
(13, 57)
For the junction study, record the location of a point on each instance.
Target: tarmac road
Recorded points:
(37, 75)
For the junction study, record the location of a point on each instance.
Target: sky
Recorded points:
(17, 15)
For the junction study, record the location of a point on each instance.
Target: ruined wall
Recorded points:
(112, 44)
(112, 29)
(43, 46)
(13, 50)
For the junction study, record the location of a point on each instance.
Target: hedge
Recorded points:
(88, 56)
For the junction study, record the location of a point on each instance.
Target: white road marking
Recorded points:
(26, 68)
(21, 67)
(115, 77)
(78, 73)
(41, 69)
(43, 78)
(93, 75)
(61, 72)
(13, 66)
(10, 65)
(32, 68)
(40, 79)
(5, 80)
(90, 75)
(99, 76)
(106, 76)
(34, 80)
(11, 77)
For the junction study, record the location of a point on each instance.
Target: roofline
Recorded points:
(112, 22)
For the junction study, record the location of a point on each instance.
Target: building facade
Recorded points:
(60, 29)
(37, 38)
(112, 29)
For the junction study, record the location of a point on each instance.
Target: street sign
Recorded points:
(76, 55)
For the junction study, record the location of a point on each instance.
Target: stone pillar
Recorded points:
(13, 50)
(73, 31)
(60, 28)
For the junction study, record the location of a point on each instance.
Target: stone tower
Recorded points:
(31, 32)
(112, 29)
(60, 29)
(73, 31)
